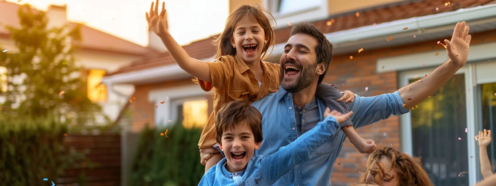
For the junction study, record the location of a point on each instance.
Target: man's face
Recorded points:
(299, 63)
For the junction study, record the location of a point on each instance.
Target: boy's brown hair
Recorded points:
(408, 169)
(235, 113)
(323, 49)
(264, 18)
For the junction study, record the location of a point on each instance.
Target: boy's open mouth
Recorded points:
(250, 49)
(291, 69)
(238, 155)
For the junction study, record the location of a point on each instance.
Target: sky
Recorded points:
(189, 20)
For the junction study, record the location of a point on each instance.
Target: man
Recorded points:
(280, 110)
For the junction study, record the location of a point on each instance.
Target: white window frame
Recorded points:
(310, 14)
(165, 112)
(177, 102)
(470, 89)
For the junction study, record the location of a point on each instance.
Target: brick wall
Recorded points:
(360, 72)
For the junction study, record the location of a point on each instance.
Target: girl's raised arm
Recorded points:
(158, 24)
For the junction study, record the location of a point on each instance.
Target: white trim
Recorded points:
(485, 72)
(310, 14)
(406, 125)
(415, 24)
(405, 62)
(163, 111)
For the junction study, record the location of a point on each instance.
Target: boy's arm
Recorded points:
(300, 150)
(484, 141)
(158, 24)
(457, 50)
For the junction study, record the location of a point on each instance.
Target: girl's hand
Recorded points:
(156, 22)
(348, 96)
(339, 117)
(484, 138)
(458, 47)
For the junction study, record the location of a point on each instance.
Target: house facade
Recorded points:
(399, 42)
(98, 52)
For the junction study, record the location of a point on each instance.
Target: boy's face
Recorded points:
(238, 145)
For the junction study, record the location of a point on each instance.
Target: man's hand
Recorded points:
(368, 146)
(484, 138)
(458, 47)
(339, 117)
(156, 22)
(206, 154)
(348, 96)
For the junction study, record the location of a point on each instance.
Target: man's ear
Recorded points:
(321, 68)
(257, 145)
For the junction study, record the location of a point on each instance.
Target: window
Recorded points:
(3, 79)
(294, 11)
(97, 92)
(294, 6)
(191, 112)
(488, 95)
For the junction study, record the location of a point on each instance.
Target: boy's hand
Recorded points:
(156, 22)
(484, 138)
(348, 96)
(339, 117)
(458, 47)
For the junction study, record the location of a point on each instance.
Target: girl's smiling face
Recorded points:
(248, 39)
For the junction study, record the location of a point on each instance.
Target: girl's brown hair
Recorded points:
(408, 169)
(224, 46)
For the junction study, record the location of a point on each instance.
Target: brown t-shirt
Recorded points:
(232, 80)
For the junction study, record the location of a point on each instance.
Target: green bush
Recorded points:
(31, 150)
(164, 161)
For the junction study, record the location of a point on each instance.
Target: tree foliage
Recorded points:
(42, 66)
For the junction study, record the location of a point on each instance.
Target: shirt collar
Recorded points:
(228, 174)
(281, 93)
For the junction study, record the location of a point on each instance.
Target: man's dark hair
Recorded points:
(323, 49)
(236, 113)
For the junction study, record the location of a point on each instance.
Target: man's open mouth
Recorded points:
(238, 155)
(291, 69)
(250, 48)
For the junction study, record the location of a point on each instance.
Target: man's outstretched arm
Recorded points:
(457, 50)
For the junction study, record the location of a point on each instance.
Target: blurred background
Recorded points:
(90, 97)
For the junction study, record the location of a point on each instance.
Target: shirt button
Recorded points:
(293, 128)
(290, 108)
(296, 166)
(235, 174)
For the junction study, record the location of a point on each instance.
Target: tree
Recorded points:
(41, 68)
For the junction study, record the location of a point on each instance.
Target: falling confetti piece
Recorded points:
(4, 51)
(414, 36)
(404, 105)
(406, 28)
(461, 173)
(429, 96)
(339, 163)
(342, 84)
(162, 102)
(471, 156)
(170, 121)
(416, 106)
(351, 57)
(422, 29)
(447, 3)
(409, 99)
(423, 64)
(459, 138)
(65, 134)
(360, 50)
(357, 14)
(290, 24)
(438, 42)
(166, 130)
(437, 54)
(329, 23)
(383, 68)
(391, 38)
(385, 134)
(61, 92)
(375, 24)
(437, 9)
(465, 130)
(161, 134)
(156, 106)
(366, 88)
(415, 76)
(476, 137)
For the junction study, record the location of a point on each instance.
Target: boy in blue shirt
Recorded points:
(239, 134)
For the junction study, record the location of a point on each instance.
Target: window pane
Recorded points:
(292, 6)
(438, 130)
(96, 92)
(195, 113)
(488, 95)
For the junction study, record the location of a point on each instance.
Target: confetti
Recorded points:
(465, 130)
(360, 50)
(156, 106)
(45, 179)
(385, 134)
(329, 23)
(166, 130)
(162, 102)
(161, 134)
(447, 3)
(459, 138)
(342, 84)
(351, 57)
(471, 156)
(357, 14)
(170, 121)
(438, 42)
(61, 92)
(339, 163)
(290, 24)
(476, 137)
(65, 134)
(414, 36)
(391, 38)
(429, 96)
(4, 51)
(366, 88)
(409, 99)
(404, 105)
(375, 24)
(461, 173)
(437, 54)
(437, 9)
(383, 68)
(422, 29)
(415, 76)
(406, 28)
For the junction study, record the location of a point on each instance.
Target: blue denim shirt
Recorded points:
(265, 170)
(279, 130)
